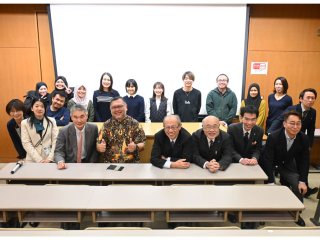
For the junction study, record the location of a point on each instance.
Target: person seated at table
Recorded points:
(57, 110)
(212, 146)
(39, 134)
(76, 142)
(288, 148)
(172, 147)
(246, 137)
(120, 138)
(15, 109)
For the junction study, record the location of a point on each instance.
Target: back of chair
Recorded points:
(208, 228)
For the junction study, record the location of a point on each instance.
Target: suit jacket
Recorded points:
(162, 147)
(30, 138)
(66, 147)
(308, 122)
(253, 148)
(276, 154)
(222, 149)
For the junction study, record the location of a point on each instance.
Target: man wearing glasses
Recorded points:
(288, 148)
(222, 102)
(212, 147)
(172, 147)
(121, 138)
(246, 137)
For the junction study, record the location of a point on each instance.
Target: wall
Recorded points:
(288, 38)
(25, 59)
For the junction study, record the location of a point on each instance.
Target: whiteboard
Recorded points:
(150, 43)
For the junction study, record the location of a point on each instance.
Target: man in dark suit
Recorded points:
(172, 147)
(246, 137)
(307, 99)
(288, 148)
(212, 147)
(79, 132)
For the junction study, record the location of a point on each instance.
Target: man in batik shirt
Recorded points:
(120, 138)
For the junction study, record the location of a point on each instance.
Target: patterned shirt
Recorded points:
(117, 135)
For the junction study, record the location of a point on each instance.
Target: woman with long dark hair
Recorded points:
(103, 97)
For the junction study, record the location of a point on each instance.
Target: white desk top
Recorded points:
(131, 172)
(148, 198)
(168, 234)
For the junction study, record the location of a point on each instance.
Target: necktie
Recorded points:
(304, 114)
(211, 145)
(246, 139)
(79, 151)
(172, 144)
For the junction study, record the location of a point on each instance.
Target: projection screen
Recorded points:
(150, 43)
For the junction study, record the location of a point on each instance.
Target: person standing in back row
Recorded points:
(187, 100)
(222, 102)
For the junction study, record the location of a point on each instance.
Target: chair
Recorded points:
(208, 228)
(118, 228)
(290, 228)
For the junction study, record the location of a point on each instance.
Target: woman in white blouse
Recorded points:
(39, 134)
(158, 106)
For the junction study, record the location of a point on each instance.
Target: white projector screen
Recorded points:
(150, 43)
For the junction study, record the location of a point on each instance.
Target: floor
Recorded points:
(310, 207)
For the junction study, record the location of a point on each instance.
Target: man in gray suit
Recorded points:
(79, 132)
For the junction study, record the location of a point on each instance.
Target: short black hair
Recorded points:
(132, 82)
(189, 74)
(117, 98)
(16, 104)
(301, 95)
(286, 115)
(249, 109)
(61, 93)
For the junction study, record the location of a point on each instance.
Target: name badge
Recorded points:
(186, 102)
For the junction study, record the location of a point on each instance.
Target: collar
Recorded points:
(244, 131)
(80, 131)
(304, 109)
(287, 136)
(210, 140)
(134, 95)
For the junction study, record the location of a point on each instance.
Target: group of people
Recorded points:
(37, 138)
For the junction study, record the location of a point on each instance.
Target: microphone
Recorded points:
(16, 167)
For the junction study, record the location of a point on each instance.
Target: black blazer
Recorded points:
(308, 123)
(276, 154)
(16, 140)
(253, 148)
(222, 150)
(162, 147)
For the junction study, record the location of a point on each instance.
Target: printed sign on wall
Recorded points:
(259, 68)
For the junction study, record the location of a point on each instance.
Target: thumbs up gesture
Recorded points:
(101, 146)
(132, 146)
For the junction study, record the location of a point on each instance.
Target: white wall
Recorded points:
(150, 43)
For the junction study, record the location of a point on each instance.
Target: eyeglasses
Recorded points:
(297, 124)
(116, 107)
(173, 128)
(209, 127)
(222, 80)
(250, 119)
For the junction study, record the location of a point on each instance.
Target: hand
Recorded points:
(302, 188)
(101, 147)
(62, 165)
(213, 166)
(181, 163)
(223, 123)
(132, 146)
(244, 161)
(253, 161)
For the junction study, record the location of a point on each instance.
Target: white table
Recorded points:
(201, 203)
(145, 172)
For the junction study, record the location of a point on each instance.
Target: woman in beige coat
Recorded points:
(39, 134)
